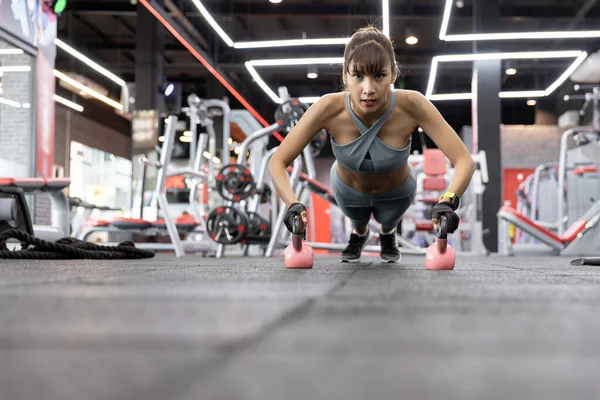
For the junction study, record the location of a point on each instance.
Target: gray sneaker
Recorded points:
(355, 246)
(389, 247)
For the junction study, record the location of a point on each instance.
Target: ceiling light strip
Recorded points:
(87, 61)
(10, 103)
(522, 36)
(581, 56)
(507, 35)
(523, 93)
(385, 12)
(15, 68)
(68, 103)
(510, 56)
(85, 89)
(502, 95)
(286, 62)
(446, 19)
(262, 84)
(290, 43)
(450, 96)
(567, 73)
(295, 61)
(212, 22)
(432, 76)
(300, 42)
(203, 61)
(309, 100)
(283, 43)
(7, 52)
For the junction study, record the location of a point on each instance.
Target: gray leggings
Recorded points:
(387, 207)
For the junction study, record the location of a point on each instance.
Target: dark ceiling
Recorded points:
(106, 31)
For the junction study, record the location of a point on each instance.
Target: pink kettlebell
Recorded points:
(298, 254)
(440, 255)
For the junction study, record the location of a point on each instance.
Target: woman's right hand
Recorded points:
(294, 210)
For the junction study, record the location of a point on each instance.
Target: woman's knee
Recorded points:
(360, 224)
(390, 215)
(359, 216)
(389, 224)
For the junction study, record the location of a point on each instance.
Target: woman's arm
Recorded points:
(310, 124)
(448, 141)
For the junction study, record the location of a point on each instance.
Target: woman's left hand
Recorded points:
(443, 208)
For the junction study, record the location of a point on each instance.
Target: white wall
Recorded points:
(16, 128)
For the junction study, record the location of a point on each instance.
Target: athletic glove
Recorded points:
(295, 209)
(443, 208)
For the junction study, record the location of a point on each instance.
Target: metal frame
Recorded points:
(562, 168)
(535, 183)
(78, 217)
(262, 133)
(587, 242)
(198, 112)
(59, 210)
(160, 191)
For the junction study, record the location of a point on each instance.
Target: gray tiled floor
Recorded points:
(247, 328)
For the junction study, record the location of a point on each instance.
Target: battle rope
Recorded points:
(67, 248)
(586, 261)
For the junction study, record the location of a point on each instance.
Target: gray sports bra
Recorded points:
(383, 158)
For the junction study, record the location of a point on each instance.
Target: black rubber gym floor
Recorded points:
(247, 328)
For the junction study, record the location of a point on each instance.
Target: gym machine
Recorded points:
(578, 196)
(536, 199)
(172, 226)
(81, 211)
(237, 220)
(14, 211)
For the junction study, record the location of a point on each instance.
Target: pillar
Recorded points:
(596, 110)
(486, 113)
(215, 90)
(148, 107)
(149, 63)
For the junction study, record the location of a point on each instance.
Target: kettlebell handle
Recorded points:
(297, 233)
(443, 227)
(297, 225)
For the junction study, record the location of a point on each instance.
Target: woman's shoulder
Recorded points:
(407, 99)
(330, 104)
(331, 99)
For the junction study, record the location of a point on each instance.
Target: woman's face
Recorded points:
(369, 92)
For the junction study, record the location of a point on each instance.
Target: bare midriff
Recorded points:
(373, 183)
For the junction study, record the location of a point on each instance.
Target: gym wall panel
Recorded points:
(527, 146)
(16, 123)
(101, 137)
(73, 126)
(524, 146)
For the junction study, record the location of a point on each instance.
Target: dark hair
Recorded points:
(371, 51)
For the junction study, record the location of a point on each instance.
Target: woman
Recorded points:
(371, 126)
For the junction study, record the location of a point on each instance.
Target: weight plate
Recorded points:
(257, 225)
(235, 182)
(226, 225)
(289, 113)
